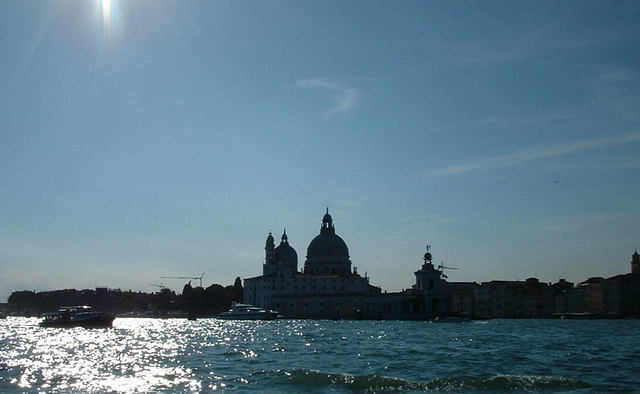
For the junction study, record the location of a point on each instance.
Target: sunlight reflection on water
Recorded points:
(177, 355)
(135, 355)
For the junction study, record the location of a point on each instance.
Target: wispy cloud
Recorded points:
(345, 100)
(317, 83)
(428, 220)
(524, 156)
(508, 122)
(580, 222)
(543, 39)
(347, 203)
(616, 88)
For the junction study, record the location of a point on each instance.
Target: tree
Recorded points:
(187, 296)
(164, 300)
(238, 291)
(216, 297)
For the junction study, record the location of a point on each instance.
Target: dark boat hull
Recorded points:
(89, 323)
(78, 319)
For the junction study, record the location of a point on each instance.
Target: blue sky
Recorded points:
(141, 139)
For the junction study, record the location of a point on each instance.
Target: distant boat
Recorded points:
(77, 316)
(451, 319)
(247, 312)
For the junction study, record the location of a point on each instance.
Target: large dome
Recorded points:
(327, 253)
(327, 245)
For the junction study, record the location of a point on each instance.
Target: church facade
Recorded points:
(329, 287)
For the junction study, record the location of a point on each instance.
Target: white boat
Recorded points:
(247, 312)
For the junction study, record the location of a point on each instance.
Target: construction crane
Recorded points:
(442, 267)
(161, 286)
(199, 278)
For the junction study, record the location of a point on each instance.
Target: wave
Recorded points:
(507, 383)
(316, 381)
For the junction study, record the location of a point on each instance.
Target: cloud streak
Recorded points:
(346, 98)
(429, 220)
(524, 156)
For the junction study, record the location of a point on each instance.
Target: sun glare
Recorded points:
(106, 13)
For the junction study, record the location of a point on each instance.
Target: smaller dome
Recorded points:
(285, 253)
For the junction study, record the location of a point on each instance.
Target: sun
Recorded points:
(106, 13)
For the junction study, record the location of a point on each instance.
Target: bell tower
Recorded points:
(428, 278)
(269, 256)
(635, 263)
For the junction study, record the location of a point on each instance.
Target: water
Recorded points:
(151, 355)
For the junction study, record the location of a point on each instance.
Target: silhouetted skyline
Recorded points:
(148, 139)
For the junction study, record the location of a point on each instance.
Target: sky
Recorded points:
(141, 140)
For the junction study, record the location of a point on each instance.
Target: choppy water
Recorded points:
(150, 355)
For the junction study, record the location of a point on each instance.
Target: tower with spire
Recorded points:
(635, 263)
(281, 260)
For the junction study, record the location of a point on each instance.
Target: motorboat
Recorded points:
(247, 312)
(77, 316)
(451, 319)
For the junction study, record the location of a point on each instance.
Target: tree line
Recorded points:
(194, 300)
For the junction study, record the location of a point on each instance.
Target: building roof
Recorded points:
(286, 253)
(327, 243)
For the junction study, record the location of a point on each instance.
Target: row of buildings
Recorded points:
(329, 287)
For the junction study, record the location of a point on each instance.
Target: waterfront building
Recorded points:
(594, 294)
(431, 295)
(561, 291)
(621, 293)
(513, 299)
(463, 297)
(327, 287)
(579, 300)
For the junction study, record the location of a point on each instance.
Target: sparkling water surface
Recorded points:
(177, 355)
